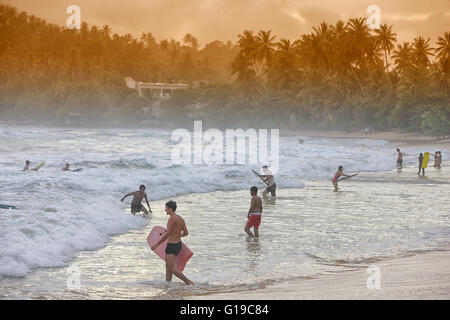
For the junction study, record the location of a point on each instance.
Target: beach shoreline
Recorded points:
(393, 137)
(422, 276)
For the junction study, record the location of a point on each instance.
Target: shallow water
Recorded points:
(304, 232)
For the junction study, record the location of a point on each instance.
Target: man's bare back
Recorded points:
(255, 205)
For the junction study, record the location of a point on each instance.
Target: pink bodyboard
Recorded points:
(182, 258)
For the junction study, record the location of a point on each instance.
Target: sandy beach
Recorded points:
(394, 137)
(422, 276)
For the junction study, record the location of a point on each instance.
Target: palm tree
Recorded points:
(265, 47)
(443, 56)
(357, 40)
(246, 77)
(443, 49)
(385, 39)
(420, 52)
(285, 66)
(402, 57)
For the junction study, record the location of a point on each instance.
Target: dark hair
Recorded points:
(254, 189)
(265, 167)
(27, 162)
(141, 186)
(171, 205)
(341, 168)
(398, 149)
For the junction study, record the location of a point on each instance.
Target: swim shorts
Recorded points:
(135, 208)
(173, 248)
(272, 189)
(254, 220)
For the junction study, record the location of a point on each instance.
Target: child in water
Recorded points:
(338, 174)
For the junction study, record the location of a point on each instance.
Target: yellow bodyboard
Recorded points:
(426, 158)
(39, 166)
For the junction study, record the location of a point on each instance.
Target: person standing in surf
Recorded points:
(176, 229)
(270, 180)
(254, 213)
(399, 159)
(437, 159)
(136, 203)
(337, 175)
(420, 165)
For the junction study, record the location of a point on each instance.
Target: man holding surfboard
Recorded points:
(176, 229)
(269, 179)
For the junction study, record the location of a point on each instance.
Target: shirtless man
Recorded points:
(66, 167)
(254, 213)
(176, 229)
(136, 203)
(399, 159)
(270, 180)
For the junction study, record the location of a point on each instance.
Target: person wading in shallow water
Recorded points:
(176, 229)
(254, 213)
(136, 203)
(338, 174)
(270, 180)
(420, 165)
(399, 159)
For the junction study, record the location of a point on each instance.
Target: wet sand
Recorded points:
(422, 276)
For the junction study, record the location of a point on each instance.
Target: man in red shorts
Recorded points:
(254, 213)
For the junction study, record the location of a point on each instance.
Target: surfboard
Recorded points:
(182, 258)
(77, 170)
(426, 158)
(345, 178)
(5, 206)
(39, 166)
(256, 173)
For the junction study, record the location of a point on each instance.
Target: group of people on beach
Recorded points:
(437, 161)
(176, 226)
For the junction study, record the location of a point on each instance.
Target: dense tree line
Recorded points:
(341, 75)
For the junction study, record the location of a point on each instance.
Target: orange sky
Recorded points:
(224, 19)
